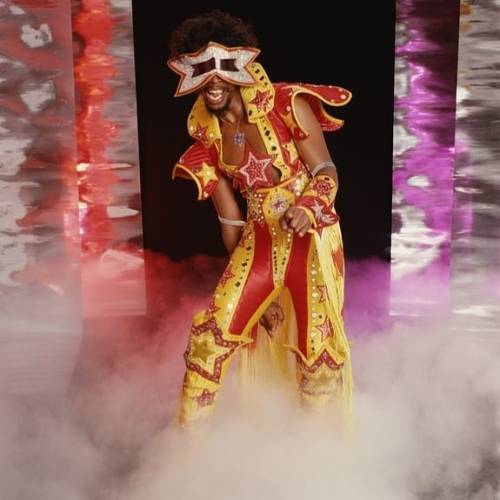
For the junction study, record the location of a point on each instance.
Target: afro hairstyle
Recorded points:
(214, 26)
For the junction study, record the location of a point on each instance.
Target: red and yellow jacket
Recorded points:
(269, 106)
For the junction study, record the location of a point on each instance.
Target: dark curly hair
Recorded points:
(214, 26)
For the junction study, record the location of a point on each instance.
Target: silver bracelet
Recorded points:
(232, 222)
(321, 165)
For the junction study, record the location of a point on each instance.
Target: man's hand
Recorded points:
(272, 318)
(295, 219)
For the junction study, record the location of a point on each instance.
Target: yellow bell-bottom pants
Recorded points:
(306, 275)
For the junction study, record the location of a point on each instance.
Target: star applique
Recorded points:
(226, 276)
(208, 350)
(326, 329)
(260, 100)
(321, 215)
(200, 133)
(206, 398)
(206, 174)
(322, 293)
(202, 350)
(256, 170)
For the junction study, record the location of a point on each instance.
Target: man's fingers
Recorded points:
(296, 220)
(304, 227)
(284, 223)
(302, 223)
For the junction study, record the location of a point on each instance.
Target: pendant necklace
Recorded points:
(239, 137)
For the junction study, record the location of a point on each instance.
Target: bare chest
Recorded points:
(235, 144)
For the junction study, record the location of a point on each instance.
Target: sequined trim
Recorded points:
(185, 66)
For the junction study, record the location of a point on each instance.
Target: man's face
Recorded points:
(217, 94)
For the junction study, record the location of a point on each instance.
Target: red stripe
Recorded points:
(296, 281)
(196, 154)
(259, 283)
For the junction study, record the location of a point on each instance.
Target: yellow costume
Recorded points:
(305, 274)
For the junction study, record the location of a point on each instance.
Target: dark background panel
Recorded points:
(351, 46)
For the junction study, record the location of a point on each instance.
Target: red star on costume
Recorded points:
(325, 329)
(206, 398)
(200, 133)
(226, 276)
(323, 294)
(260, 100)
(208, 347)
(338, 260)
(255, 170)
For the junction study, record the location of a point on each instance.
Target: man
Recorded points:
(286, 258)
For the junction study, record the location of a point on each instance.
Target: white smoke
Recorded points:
(426, 425)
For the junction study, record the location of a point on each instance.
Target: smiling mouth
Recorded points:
(214, 96)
